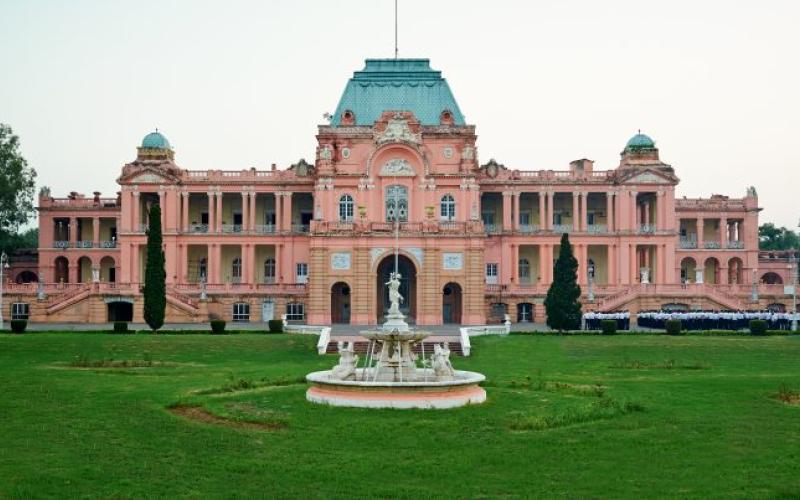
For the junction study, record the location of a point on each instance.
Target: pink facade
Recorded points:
(315, 240)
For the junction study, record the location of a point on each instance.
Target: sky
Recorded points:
(240, 84)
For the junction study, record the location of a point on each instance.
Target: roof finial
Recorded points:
(640, 131)
(395, 29)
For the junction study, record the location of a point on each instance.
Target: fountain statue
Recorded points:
(390, 377)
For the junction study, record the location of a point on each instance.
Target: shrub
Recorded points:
(218, 326)
(608, 326)
(673, 326)
(120, 327)
(275, 326)
(758, 327)
(18, 325)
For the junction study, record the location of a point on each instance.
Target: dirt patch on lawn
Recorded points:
(788, 396)
(200, 414)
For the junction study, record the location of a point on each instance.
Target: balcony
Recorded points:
(108, 244)
(265, 228)
(198, 228)
(84, 244)
(736, 245)
(562, 228)
(300, 228)
(61, 244)
(493, 228)
(647, 228)
(687, 243)
(711, 245)
(596, 228)
(231, 228)
(528, 228)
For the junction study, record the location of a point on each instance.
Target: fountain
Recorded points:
(390, 377)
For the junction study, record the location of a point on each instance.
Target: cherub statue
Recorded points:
(395, 299)
(346, 369)
(441, 361)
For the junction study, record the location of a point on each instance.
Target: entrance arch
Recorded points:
(451, 303)
(711, 270)
(62, 270)
(340, 303)
(120, 311)
(84, 270)
(688, 267)
(735, 266)
(408, 287)
(771, 278)
(107, 270)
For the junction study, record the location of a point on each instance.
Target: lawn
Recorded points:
(623, 416)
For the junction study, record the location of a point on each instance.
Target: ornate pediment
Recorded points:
(648, 177)
(492, 168)
(302, 168)
(137, 174)
(397, 130)
(397, 167)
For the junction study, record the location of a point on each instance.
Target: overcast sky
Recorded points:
(238, 84)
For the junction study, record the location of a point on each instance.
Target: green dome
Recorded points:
(155, 140)
(640, 141)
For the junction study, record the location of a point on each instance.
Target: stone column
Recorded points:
(244, 252)
(278, 263)
(219, 212)
(162, 205)
(134, 263)
(136, 216)
(278, 211)
(584, 211)
(515, 264)
(183, 265)
(580, 255)
(507, 210)
(723, 232)
(611, 265)
(214, 264)
(185, 211)
(542, 212)
(252, 222)
(542, 264)
(660, 212)
(517, 196)
(211, 218)
(96, 232)
(576, 212)
(634, 216)
(245, 212)
(610, 211)
(251, 263)
(647, 213)
(700, 222)
(73, 232)
(659, 274)
(287, 211)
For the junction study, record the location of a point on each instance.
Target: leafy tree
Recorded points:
(11, 242)
(562, 305)
(17, 182)
(155, 276)
(771, 237)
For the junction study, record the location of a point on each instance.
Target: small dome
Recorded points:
(155, 140)
(640, 141)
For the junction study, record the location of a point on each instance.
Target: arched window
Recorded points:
(447, 208)
(202, 269)
(236, 269)
(396, 204)
(269, 270)
(524, 270)
(346, 208)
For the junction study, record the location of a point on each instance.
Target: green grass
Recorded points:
(571, 416)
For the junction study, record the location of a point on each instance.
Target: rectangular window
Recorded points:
(491, 273)
(525, 218)
(295, 312)
(557, 218)
(302, 272)
(488, 218)
(590, 218)
(269, 218)
(241, 312)
(20, 310)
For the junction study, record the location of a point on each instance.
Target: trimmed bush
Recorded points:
(758, 327)
(608, 326)
(275, 326)
(217, 326)
(673, 326)
(120, 327)
(18, 325)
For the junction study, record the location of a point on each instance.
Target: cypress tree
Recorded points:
(562, 305)
(155, 276)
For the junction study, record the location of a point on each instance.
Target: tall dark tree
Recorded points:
(155, 276)
(17, 182)
(771, 237)
(562, 305)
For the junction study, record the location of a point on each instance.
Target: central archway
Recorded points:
(451, 303)
(340, 303)
(408, 287)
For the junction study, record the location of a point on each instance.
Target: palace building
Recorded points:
(315, 241)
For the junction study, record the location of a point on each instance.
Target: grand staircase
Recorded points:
(722, 298)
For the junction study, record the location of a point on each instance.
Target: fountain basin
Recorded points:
(462, 389)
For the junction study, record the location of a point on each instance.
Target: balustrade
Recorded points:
(647, 228)
(265, 228)
(596, 228)
(562, 228)
(735, 245)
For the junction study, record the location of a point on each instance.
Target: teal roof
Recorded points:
(397, 85)
(155, 140)
(640, 141)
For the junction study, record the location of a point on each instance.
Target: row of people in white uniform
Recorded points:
(592, 319)
(716, 320)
